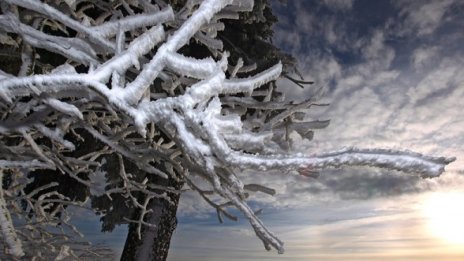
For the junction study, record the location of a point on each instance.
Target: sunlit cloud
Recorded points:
(377, 229)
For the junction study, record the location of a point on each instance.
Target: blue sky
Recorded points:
(393, 72)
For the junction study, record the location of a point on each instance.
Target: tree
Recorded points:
(123, 102)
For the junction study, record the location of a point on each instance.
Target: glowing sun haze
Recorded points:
(445, 216)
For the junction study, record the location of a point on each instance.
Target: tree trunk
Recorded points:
(155, 241)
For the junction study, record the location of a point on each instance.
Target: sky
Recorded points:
(392, 72)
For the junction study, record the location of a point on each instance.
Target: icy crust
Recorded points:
(408, 162)
(73, 48)
(247, 85)
(201, 16)
(110, 28)
(191, 67)
(213, 135)
(130, 57)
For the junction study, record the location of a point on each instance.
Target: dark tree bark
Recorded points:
(155, 241)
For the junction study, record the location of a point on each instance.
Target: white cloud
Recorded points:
(291, 39)
(322, 68)
(329, 31)
(391, 109)
(446, 74)
(376, 102)
(304, 21)
(423, 56)
(352, 81)
(423, 19)
(376, 53)
(192, 204)
(384, 77)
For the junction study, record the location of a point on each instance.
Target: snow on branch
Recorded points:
(73, 48)
(404, 161)
(133, 22)
(122, 102)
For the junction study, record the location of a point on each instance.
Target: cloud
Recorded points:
(88, 223)
(375, 47)
(376, 229)
(402, 96)
(423, 56)
(339, 4)
(192, 204)
(424, 18)
(439, 83)
(395, 109)
(393, 82)
(290, 39)
(397, 95)
(305, 26)
(335, 185)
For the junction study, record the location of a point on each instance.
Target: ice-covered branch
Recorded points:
(49, 84)
(134, 22)
(247, 85)
(73, 48)
(50, 12)
(404, 161)
(202, 15)
(130, 57)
